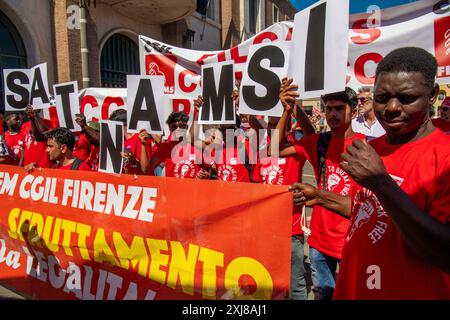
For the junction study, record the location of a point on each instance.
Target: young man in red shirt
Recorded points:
(135, 161)
(60, 144)
(178, 155)
(324, 151)
(285, 171)
(443, 122)
(398, 243)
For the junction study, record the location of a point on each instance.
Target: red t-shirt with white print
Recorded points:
(282, 171)
(14, 142)
(230, 167)
(328, 229)
(376, 261)
(134, 145)
(183, 164)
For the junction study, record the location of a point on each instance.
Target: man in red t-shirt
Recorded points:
(443, 122)
(35, 143)
(180, 157)
(14, 139)
(135, 161)
(60, 144)
(328, 229)
(285, 171)
(398, 243)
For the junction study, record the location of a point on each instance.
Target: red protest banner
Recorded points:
(75, 235)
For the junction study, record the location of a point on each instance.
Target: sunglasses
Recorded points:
(175, 126)
(363, 100)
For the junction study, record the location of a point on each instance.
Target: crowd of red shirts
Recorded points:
(329, 231)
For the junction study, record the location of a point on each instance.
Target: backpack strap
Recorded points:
(322, 147)
(76, 164)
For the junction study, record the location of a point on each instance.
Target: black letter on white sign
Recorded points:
(264, 77)
(145, 92)
(111, 146)
(315, 49)
(216, 99)
(18, 89)
(65, 92)
(38, 88)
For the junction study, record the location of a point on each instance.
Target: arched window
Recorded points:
(12, 51)
(120, 56)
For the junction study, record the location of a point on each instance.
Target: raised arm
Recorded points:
(144, 160)
(194, 130)
(37, 125)
(93, 134)
(288, 97)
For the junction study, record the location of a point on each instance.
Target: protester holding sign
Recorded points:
(227, 151)
(35, 143)
(323, 151)
(179, 153)
(135, 161)
(91, 131)
(285, 171)
(398, 243)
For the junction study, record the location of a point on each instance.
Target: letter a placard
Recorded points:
(145, 103)
(318, 62)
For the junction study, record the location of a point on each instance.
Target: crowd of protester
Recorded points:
(393, 116)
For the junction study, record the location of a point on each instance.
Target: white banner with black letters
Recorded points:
(111, 145)
(145, 103)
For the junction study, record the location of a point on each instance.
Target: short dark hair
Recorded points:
(410, 59)
(62, 136)
(348, 96)
(119, 115)
(174, 117)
